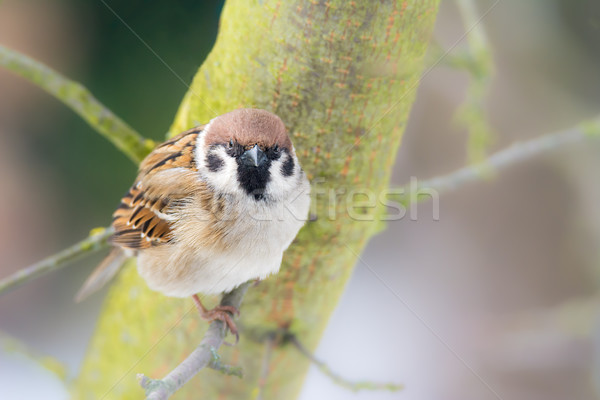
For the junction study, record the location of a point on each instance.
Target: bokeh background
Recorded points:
(497, 299)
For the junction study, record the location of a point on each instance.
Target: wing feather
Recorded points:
(143, 219)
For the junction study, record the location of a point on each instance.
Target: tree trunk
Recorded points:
(342, 75)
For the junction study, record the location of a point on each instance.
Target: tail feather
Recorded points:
(103, 273)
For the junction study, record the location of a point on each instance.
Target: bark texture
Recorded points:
(342, 75)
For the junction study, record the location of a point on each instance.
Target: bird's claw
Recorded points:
(222, 313)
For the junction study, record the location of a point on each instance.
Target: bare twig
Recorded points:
(480, 67)
(79, 99)
(96, 241)
(514, 154)
(353, 386)
(478, 42)
(477, 60)
(203, 356)
(216, 364)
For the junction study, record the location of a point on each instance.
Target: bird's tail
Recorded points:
(103, 273)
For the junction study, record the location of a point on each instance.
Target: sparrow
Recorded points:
(212, 208)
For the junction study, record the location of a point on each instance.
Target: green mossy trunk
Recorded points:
(342, 75)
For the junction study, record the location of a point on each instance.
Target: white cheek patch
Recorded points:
(291, 192)
(223, 178)
(279, 184)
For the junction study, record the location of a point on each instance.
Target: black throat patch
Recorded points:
(254, 179)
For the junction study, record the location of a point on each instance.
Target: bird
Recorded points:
(212, 208)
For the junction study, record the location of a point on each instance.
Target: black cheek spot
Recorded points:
(287, 168)
(214, 162)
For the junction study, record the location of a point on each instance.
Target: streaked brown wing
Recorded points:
(175, 152)
(166, 178)
(136, 222)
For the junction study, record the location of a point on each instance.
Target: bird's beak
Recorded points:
(254, 157)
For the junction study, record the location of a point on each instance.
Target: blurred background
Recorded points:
(497, 299)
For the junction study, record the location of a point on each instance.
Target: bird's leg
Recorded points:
(222, 313)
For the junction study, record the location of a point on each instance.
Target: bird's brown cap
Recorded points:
(249, 126)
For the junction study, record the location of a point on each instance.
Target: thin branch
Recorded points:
(96, 241)
(203, 356)
(514, 154)
(216, 364)
(457, 59)
(79, 99)
(472, 113)
(478, 42)
(353, 386)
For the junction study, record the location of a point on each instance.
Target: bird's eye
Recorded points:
(276, 148)
(230, 143)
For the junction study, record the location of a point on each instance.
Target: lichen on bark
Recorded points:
(342, 75)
